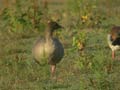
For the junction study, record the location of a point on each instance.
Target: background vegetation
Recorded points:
(86, 23)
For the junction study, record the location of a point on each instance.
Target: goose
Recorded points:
(114, 39)
(49, 47)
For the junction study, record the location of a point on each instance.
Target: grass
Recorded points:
(90, 69)
(19, 71)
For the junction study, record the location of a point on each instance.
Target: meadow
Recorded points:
(85, 22)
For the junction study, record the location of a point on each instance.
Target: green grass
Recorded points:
(19, 71)
(90, 69)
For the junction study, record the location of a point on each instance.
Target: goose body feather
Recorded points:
(113, 39)
(51, 50)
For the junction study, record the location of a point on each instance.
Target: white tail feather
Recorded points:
(109, 39)
(113, 48)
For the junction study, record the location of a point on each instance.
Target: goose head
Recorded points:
(53, 25)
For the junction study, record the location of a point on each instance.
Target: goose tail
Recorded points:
(110, 43)
(109, 40)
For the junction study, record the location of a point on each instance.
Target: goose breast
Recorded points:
(51, 50)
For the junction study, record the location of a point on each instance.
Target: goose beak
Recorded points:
(62, 27)
(59, 26)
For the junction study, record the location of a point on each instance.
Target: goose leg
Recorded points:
(113, 55)
(53, 68)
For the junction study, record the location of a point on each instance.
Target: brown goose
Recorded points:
(49, 48)
(114, 40)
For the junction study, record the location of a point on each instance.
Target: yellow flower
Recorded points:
(80, 45)
(84, 18)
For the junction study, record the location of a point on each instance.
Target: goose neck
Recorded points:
(48, 34)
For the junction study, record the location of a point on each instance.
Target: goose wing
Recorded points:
(116, 41)
(58, 52)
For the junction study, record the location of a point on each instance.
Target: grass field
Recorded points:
(90, 69)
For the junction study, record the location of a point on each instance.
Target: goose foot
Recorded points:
(53, 69)
(113, 55)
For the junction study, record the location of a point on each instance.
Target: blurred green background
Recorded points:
(85, 22)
